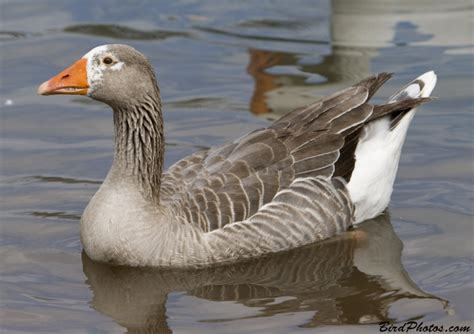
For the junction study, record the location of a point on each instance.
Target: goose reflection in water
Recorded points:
(350, 279)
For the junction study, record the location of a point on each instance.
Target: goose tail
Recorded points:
(378, 151)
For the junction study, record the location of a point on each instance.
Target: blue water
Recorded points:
(226, 68)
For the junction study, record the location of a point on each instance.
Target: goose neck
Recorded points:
(139, 145)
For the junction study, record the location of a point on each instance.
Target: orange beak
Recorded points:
(73, 80)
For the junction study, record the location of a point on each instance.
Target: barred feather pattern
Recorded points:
(293, 218)
(292, 183)
(271, 190)
(231, 183)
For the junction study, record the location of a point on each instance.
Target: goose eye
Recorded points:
(107, 60)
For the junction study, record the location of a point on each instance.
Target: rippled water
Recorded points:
(226, 68)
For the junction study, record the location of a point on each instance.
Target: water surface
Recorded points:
(226, 68)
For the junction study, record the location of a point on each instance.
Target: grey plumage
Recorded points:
(322, 280)
(231, 183)
(271, 190)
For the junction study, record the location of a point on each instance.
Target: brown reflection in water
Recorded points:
(351, 279)
(260, 60)
(358, 30)
(343, 65)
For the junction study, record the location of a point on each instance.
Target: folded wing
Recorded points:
(233, 182)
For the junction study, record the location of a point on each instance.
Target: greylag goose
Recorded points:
(308, 176)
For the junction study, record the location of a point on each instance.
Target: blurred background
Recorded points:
(226, 68)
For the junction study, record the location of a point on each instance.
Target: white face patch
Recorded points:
(96, 51)
(96, 68)
(118, 66)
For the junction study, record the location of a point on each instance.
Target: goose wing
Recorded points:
(232, 182)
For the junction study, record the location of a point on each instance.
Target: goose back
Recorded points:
(230, 183)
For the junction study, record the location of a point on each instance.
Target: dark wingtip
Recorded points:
(374, 82)
(406, 106)
(426, 99)
(398, 108)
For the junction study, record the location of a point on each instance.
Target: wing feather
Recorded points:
(246, 180)
(283, 224)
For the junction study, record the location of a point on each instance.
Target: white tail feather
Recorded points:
(378, 153)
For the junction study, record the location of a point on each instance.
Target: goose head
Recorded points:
(115, 74)
(123, 78)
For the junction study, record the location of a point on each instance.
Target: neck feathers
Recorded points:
(139, 144)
